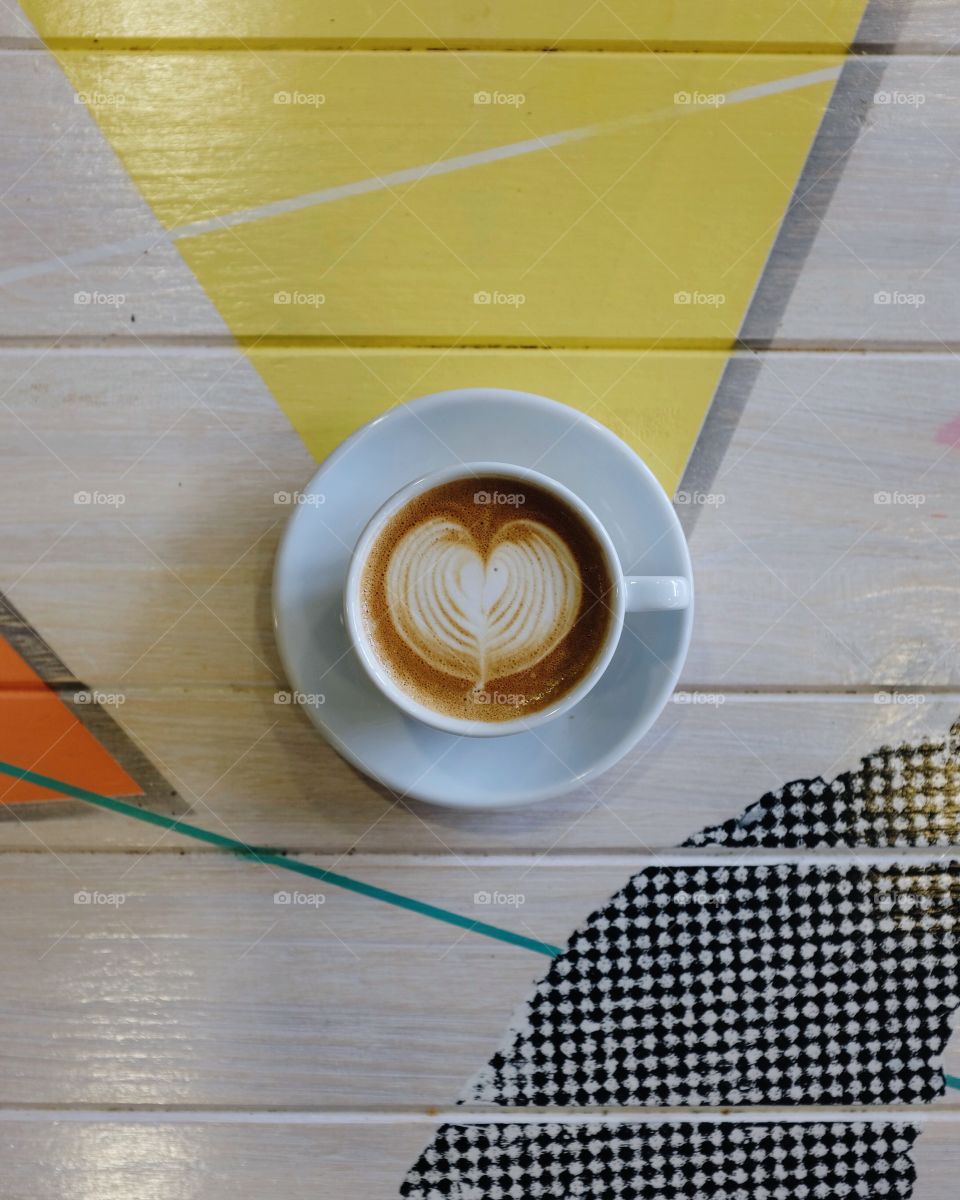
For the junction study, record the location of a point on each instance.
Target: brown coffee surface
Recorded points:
(486, 598)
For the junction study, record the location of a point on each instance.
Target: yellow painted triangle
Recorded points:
(376, 225)
(650, 25)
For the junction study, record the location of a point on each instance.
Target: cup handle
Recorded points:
(656, 593)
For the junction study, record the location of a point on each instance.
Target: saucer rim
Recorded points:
(599, 765)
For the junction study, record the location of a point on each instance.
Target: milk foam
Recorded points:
(482, 620)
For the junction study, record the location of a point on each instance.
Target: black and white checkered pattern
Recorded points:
(784, 984)
(665, 1162)
(713, 985)
(907, 796)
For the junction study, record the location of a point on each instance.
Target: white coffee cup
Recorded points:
(628, 594)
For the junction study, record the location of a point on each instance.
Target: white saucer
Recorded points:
(410, 758)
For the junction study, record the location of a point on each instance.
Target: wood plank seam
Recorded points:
(477, 1115)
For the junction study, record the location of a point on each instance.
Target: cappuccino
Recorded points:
(486, 598)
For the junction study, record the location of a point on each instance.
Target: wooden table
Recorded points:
(193, 1038)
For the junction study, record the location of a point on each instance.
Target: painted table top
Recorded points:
(233, 233)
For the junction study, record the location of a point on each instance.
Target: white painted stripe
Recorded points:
(788, 84)
(376, 183)
(475, 1115)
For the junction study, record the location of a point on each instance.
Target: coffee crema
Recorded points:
(486, 598)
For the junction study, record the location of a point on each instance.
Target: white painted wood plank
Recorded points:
(924, 25)
(156, 1162)
(803, 577)
(258, 772)
(66, 191)
(53, 1161)
(868, 253)
(834, 553)
(882, 175)
(199, 989)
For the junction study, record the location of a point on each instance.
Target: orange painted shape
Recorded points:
(14, 671)
(38, 731)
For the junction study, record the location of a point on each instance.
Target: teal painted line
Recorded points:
(952, 1081)
(276, 858)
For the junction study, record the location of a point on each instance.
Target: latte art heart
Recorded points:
(482, 620)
